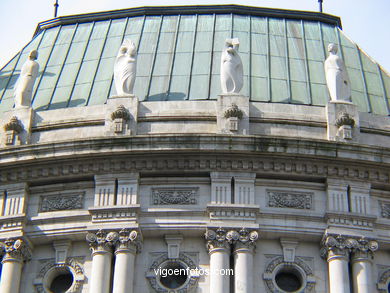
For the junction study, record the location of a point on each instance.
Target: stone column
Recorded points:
(101, 246)
(362, 253)
(126, 249)
(243, 259)
(16, 252)
(336, 253)
(219, 251)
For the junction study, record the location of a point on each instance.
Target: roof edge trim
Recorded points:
(183, 10)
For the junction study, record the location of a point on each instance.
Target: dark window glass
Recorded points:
(288, 281)
(61, 283)
(174, 281)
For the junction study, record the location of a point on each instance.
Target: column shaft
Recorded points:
(243, 270)
(219, 268)
(124, 271)
(362, 276)
(338, 274)
(101, 272)
(10, 276)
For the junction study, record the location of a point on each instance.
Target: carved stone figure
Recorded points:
(25, 83)
(125, 68)
(231, 68)
(337, 78)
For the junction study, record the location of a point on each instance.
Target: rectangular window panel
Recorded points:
(179, 88)
(201, 64)
(329, 34)
(315, 50)
(296, 48)
(276, 27)
(294, 29)
(140, 88)
(169, 24)
(243, 38)
(41, 101)
(319, 94)
(117, 27)
(60, 97)
(223, 23)
(49, 77)
(187, 23)
(279, 90)
(312, 30)
(146, 61)
(386, 81)
(373, 83)
(241, 23)
(215, 88)
(99, 92)
(106, 69)
(80, 95)
(297, 70)
(216, 63)
(158, 88)
(259, 25)
(163, 64)
(356, 79)
(317, 72)
(203, 43)
(111, 47)
(152, 24)
(100, 30)
(378, 105)
(94, 49)
(76, 52)
(199, 87)
(299, 93)
(184, 42)
(259, 89)
(345, 41)
(259, 65)
(148, 43)
(368, 63)
(166, 43)
(65, 35)
(58, 54)
(83, 32)
(134, 25)
(259, 44)
(278, 68)
(205, 23)
(359, 99)
(277, 46)
(351, 57)
(182, 64)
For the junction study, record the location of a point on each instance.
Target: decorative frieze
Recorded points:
(385, 209)
(61, 202)
(289, 199)
(175, 196)
(15, 249)
(222, 238)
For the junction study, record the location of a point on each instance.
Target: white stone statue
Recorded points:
(231, 68)
(125, 68)
(337, 78)
(25, 83)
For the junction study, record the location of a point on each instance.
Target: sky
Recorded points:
(367, 23)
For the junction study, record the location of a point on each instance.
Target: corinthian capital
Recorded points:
(102, 241)
(15, 250)
(223, 238)
(216, 240)
(129, 240)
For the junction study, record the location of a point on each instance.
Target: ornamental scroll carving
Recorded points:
(61, 202)
(289, 199)
(385, 209)
(179, 196)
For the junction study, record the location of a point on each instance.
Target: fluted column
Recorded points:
(101, 245)
(336, 252)
(243, 260)
(363, 281)
(126, 249)
(16, 251)
(219, 251)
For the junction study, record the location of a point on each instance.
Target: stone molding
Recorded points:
(269, 165)
(336, 246)
(384, 281)
(15, 250)
(278, 263)
(175, 196)
(50, 269)
(289, 199)
(223, 238)
(60, 202)
(105, 242)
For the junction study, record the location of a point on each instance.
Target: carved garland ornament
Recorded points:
(61, 202)
(288, 199)
(385, 209)
(51, 269)
(169, 196)
(185, 261)
(277, 264)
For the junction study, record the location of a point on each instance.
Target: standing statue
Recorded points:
(337, 78)
(231, 68)
(25, 83)
(125, 68)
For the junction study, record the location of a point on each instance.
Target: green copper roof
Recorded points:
(179, 57)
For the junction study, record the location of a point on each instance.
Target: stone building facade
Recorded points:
(273, 189)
